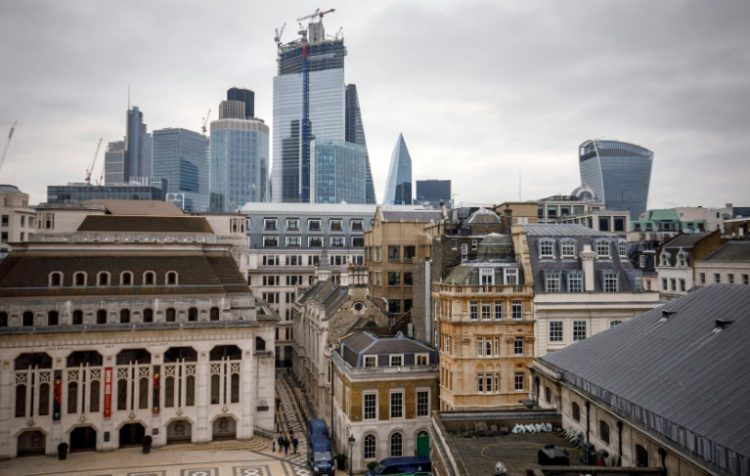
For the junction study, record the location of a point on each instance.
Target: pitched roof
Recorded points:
(327, 294)
(138, 207)
(424, 216)
(686, 240)
(156, 224)
(675, 370)
(731, 251)
(562, 229)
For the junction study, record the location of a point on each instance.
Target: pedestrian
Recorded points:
(295, 443)
(273, 446)
(280, 439)
(286, 445)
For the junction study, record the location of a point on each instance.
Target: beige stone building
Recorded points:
(322, 316)
(728, 264)
(16, 218)
(385, 390)
(131, 326)
(484, 328)
(396, 244)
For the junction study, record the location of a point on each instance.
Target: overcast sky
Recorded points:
(483, 91)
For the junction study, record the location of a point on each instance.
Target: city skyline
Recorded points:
(513, 92)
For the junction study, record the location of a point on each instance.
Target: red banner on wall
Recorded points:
(107, 392)
(155, 386)
(57, 400)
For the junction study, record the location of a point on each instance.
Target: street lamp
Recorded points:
(351, 446)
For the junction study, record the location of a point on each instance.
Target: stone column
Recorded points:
(587, 262)
(248, 390)
(7, 400)
(202, 396)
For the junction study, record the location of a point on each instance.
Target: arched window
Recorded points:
(171, 315)
(614, 323)
(28, 319)
(102, 278)
(124, 316)
(149, 278)
(641, 456)
(397, 444)
(53, 318)
(171, 278)
(225, 374)
(55, 279)
(126, 278)
(602, 248)
(214, 313)
(260, 344)
(79, 279)
(148, 315)
(575, 410)
(77, 317)
(101, 316)
(193, 314)
(369, 446)
(604, 431)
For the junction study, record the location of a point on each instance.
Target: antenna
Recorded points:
(128, 96)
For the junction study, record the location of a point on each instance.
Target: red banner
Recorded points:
(107, 392)
(57, 400)
(155, 386)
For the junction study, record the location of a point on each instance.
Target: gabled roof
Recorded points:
(156, 224)
(687, 368)
(731, 251)
(364, 342)
(687, 240)
(327, 294)
(562, 229)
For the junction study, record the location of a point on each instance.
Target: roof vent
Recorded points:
(665, 313)
(721, 324)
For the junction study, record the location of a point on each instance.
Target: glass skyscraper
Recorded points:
(238, 163)
(181, 157)
(339, 171)
(619, 173)
(398, 185)
(309, 103)
(137, 147)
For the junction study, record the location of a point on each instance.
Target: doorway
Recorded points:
(423, 444)
(132, 434)
(179, 431)
(31, 443)
(224, 428)
(82, 438)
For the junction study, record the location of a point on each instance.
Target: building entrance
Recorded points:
(132, 434)
(82, 438)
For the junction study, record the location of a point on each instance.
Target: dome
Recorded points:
(584, 192)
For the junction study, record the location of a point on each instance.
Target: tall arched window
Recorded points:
(149, 278)
(133, 377)
(397, 444)
(171, 315)
(179, 373)
(148, 315)
(28, 319)
(369, 446)
(604, 431)
(102, 279)
(214, 313)
(575, 410)
(124, 316)
(53, 318)
(126, 278)
(55, 279)
(171, 278)
(79, 279)
(225, 374)
(101, 316)
(193, 314)
(77, 317)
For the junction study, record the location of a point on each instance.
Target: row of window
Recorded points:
(489, 382)
(717, 278)
(568, 248)
(105, 317)
(396, 404)
(580, 329)
(396, 444)
(272, 241)
(313, 224)
(574, 281)
(490, 346)
(311, 260)
(396, 360)
(104, 278)
(490, 310)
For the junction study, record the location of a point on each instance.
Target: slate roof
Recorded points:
(135, 224)
(687, 240)
(327, 294)
(356, 345)
(675, 374)
(27, 274)
(138, 207)
(731, 251)
(412, 215)
(562, 229)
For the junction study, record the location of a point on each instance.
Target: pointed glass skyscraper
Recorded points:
(312, 103)
(398, 185)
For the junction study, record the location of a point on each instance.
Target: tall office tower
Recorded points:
(238, 159)
(398, 185)
(246, 96)
(181, 157)
(434, 192)
(114, 163)
(339, 172)
(355, 132)
(618, 172)
(309, 103)
(137, 147)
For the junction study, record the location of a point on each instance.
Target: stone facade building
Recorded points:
(385, 390)
(16, 218)
(729, 264)
(676, 261)
(483, 325)
(109, 335)
(322, 316)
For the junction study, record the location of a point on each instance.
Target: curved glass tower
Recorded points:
(619, 173)
(398, 186)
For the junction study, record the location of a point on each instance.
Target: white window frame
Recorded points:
(510, 276)
(610, 281)
(546, 248)
(338, 221)
(552, 282)
(599, 249)
(319, 227)
(416, 401)
(294, 222)
(577, 278)
(274, 237)
(513, 309)
(516, 381)
(367, 358)
(516, 342)
(390, 404)
(268, 221)
(486, 277)
(577, 330)
(556, 335)
(422, 355)
(310, 241)
(486, 306)
(392, 356)
(565, 252)
(293, 241)
(373, 393)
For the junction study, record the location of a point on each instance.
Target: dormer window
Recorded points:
(171, 278)
(546, 248)
(149, 278)
(510, 276)
(552, 281)
(602, 249)
(370, 361)
(664, 259)
(487, 276)
(55, 279)
(79, 279)
(622, 249)
(102, 278)
(396, 360)
(568, 249)
(126, 278)
(681, 259)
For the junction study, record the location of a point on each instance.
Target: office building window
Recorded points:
(336, 224)
(664, 286)
(422, 359)
(519, 381)
(622, 249)
(358, 242)
(371, 361)
(313, 224)
(356, 225)
(370, 406)
(602, 249)
(486, 311)
(552, 281)
(682, 284)
(293, 241)
(423, 403)
(397, 444)
(396, 360)
(610, 281)
(498, 311)
(270, 241)
(614, 323)
(394, 278)
(717, 278)
(292, 224)
(397, 405)
(315, 241)
(511, 276)
(579, 330)
(473, 310)
(269, 224)
(338, 241)
(604, 431)
(575, 411)
(546, 248)
(568, 248)
(518, 346)
(517, 310)
(746, 279)
(730, 279)
(555, 331)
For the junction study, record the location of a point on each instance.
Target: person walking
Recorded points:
(280, 439)
(295, 443)
(286, 445)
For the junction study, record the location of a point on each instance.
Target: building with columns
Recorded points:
(103, 342)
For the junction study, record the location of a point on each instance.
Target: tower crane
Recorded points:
(90, 170)
(317, 14)
(278, 33)
(7, 143)
(205, 122)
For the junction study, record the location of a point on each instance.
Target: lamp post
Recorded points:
(351, 446)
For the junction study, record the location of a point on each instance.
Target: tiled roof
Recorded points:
(681, 372)
(562, 229)
(731, 251)
(156, 224)
(687, 240)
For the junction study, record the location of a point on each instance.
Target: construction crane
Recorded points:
(93, 162)
(7, 143)
(278, 33)
(317, 14)
(205, 122)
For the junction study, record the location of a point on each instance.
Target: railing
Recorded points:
(469, 290)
